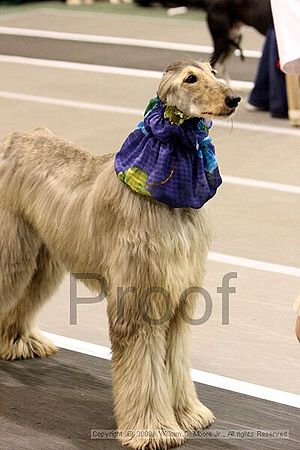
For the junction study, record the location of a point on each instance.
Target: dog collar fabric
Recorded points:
(172, 161)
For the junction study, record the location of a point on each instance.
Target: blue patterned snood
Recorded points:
(174, 163)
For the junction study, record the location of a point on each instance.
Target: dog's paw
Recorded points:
(194, 417)
(160, 439)
(24, 347)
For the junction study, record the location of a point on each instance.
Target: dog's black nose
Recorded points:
(232, 101)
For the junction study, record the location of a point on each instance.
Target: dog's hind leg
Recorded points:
(28, 277)
(190, 413)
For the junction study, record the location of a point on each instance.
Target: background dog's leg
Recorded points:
(140, 384)
(190, 413)
(29, 276)
(223, 72)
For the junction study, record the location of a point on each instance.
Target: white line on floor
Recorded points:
(248, 182)
(80, 66)
(199, 376)
(139, 112)
(261, 128)
(291, 189)
(70, 103)
(123, 71)
(115, 40)
(254, 264)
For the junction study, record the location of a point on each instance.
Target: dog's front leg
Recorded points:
(190, 413)
(143, 406)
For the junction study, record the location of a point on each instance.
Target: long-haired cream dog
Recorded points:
(63, 209)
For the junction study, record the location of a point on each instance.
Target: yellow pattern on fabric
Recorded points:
(136, 179)
(175, 116)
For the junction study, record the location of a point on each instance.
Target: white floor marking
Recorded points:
(260, 128)
(254, 264)
(87, 348)
(248, 182)
(139, 112)
(199, 376)
(123, 71)
(70, 103)
(289, 188)
(282, 131)
(115, 40)
(80, 66)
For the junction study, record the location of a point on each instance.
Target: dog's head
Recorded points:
(194, 90)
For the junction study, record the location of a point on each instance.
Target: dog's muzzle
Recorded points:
(232, 101)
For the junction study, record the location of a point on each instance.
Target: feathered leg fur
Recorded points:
(28, 277)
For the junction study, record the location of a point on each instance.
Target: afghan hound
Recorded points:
(63, 209)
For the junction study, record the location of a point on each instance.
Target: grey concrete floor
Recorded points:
(160, 29)
(55, 403)
(140, 26)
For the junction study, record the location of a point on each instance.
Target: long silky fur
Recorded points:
(63, 209)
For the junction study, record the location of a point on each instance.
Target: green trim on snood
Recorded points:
(175, 116)
(171, 112)
(152, 102)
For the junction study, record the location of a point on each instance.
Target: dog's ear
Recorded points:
(176, 66)
(165, 85)
(167, 82)
(171, 78)
(207, 66)
(198, 63)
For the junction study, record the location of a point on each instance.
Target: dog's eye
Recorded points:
(191, 79)
(214, 72)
